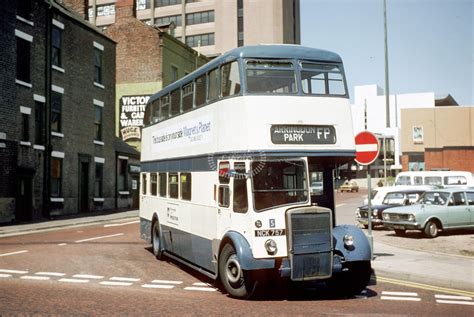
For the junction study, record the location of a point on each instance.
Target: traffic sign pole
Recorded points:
(369, 213)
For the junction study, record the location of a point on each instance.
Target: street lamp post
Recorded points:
(387, 92)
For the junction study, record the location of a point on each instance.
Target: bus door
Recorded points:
(224, 194)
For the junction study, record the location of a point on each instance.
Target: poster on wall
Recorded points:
(417, 134)
(132, 112)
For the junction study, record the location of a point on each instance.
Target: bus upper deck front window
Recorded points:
(279, 183)
(268, 76)
(322, 79)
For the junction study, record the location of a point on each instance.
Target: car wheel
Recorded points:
(400, 232)
(431, 229)
(237, 282)
(156, 241)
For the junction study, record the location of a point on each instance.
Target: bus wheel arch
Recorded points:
(156, 238)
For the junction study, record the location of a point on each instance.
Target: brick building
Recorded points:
(438, 138)
(58, 151)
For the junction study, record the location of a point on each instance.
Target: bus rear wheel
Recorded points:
(237, 282)
(156, 241)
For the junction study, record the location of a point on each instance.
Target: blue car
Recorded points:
(443, 209)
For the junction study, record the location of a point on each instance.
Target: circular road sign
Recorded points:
(367, 148)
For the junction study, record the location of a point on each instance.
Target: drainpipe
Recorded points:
(47, 118)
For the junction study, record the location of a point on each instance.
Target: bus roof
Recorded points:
(273, 51)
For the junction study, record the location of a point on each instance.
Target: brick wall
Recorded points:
(461, 159)
(81, 7)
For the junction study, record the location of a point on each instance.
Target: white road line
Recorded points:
(157, 286)
(97, 238)
(13, 253)
(72, 280)
(50, 273)
(201, 284)
(92, 277)
(456, 302)
(124, 279)
(167, 282)
(340, 205)
(202, 289)
(400, 293)
(62, 244)
(5, 275)
(32, 277)
(115, 283)
(121, 224)
(13, 271)
(453, 297)
(413, 299)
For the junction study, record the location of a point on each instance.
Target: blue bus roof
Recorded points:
(275, 51)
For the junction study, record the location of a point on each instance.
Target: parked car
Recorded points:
(349, 186)
(378, 193)
(394, 198)
(442, 209)
(316, 188)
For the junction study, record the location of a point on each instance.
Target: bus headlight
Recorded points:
(271, 247)
(358, 212)
(348, 241)
(374, 212)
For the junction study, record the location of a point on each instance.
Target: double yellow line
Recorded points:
(423, 286)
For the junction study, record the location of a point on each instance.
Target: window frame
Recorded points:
(56, 182)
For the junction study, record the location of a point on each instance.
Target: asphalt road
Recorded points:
(108, 270)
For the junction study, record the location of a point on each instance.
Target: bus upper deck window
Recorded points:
(188, 92)
(213, 85)
(269, 76)
(322, 79)
(200, 90)
(230, 80)
(175, 102)
(164, 107)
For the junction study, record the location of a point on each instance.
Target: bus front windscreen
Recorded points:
(277, 183)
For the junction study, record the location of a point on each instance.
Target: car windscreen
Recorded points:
(434, 198)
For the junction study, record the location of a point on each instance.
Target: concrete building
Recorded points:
(369, 113)
(213, 27)
(58, 151)
(438, 138)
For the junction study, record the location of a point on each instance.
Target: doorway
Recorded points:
(24, 199)
(83, 197)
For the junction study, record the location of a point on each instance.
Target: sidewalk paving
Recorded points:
(442, 270)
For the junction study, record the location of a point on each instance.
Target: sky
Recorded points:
(430, 43)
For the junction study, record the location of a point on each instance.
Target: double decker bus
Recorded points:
(229, 153)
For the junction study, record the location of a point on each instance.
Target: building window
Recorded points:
(99, 176)
(56, 105)
(105, 10)
(200, 40)
(199, 17)
(97, 66)
(122, 175)
(25, 127)
(185, 186)
(56, 43)
(23, 55)
(176, 19)
(143, 4)
(56, 176)
(24, 9)
(240, 22)
(174, 74)
(98, 123)
(165, 3)
(39, 123)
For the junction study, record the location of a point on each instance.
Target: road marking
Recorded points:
(93, 277)
(62, 244)
(157, 286)
(121, 224)
(115, 283)
(400, 293)
(50, 273)
(13, 253)
(5, 275)
(72, 280)
(124, 279)
(453, 297)
(97, 238)
(423, 286)
(201, 284)
(167, 282)
(455, 302)
(413, 299)
(340, 205)
(13, 271)
(32, 277)
(202, 289)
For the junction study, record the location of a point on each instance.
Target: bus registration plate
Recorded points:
(270, 232)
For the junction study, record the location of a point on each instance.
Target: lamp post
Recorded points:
(387, 92)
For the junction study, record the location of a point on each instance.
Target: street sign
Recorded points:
(367, 148)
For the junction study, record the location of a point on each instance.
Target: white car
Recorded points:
(378, 193)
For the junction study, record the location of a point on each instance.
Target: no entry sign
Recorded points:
(367, 148)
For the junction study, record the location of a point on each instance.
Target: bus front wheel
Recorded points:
(156, 241)
(237, 282)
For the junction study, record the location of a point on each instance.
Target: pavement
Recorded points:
(444, 271)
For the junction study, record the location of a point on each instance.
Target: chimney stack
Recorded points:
(125, 9)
